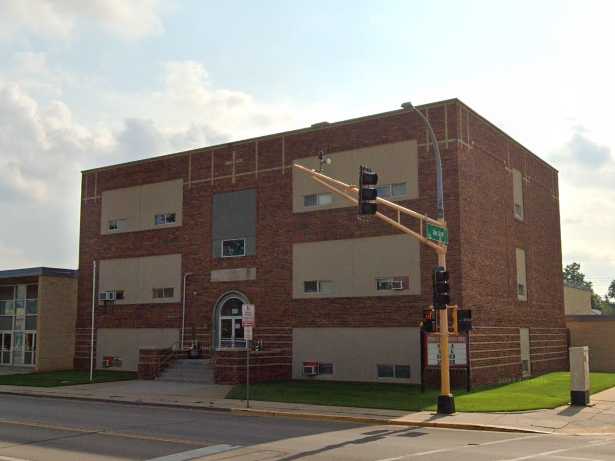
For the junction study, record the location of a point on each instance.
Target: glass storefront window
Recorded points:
(7, 307)
(31, 307)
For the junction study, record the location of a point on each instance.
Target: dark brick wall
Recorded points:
(478, 197)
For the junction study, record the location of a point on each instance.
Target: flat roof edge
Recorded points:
(37, 272)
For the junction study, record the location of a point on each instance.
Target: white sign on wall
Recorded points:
(456, 353)
(247, 315)
(247, 333)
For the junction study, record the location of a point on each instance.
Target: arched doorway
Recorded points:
(229, 329)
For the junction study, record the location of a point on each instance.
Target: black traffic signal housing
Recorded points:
(429, 321)
(465, 320)
(367, 191)
(441, 297)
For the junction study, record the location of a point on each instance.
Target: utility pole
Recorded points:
(366, 197)
(446, 402)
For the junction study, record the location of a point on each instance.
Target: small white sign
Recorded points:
(247, 315)
(456, 352)
(247, 333)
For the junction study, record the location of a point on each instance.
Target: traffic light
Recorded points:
(465, 320)
(429, 321)
(367, 191)
(441, 296)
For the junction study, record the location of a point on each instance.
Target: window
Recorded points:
(386, 371)
(159, 293)
(325, 368)
(314, 200)
(391, 283)
(119, 294)
(118, 225)
(402, 371)
(521, 275)
(394, 371)
(318, 286)
(518, 194)
(392, 190)
(164, 218)
(233, 248)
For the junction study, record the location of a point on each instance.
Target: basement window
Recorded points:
(325, 368)
(233, 248)
(394, 371)
(315, 200)
(164, 218)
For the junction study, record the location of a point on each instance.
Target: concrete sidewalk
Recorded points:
(596, 419)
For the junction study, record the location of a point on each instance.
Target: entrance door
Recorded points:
(29, 354)
(229, 324)
(6, 339)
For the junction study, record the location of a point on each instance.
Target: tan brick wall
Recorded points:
(57, 301)
(597, 333)
(577, 301)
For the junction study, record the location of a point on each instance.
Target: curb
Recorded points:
(182, 406)
(287, 414)
(382, 421)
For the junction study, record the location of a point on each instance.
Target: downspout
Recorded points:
(181, 343)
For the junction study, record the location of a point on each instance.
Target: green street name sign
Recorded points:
(437, 233)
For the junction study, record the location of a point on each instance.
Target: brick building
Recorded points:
(235, 223)
(38, 308)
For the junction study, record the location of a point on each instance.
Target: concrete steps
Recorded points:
(198, 371)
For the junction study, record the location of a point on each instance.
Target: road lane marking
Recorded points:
(458, 447)
(8, 458)
(198, 453)
(574, 458)
(554, 452)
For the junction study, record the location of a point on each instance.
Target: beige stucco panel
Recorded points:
(356, 352)
(126, 342)
(577, 301)
(161, 197)
(140, 204)
(394, 163)
(343, 263)
(161, 272)
(120, 204)
(57, 314)
(329, 260)
(139, 276)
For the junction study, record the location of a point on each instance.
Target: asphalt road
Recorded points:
(55, 429)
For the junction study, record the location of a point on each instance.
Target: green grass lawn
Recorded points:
(64, 378)
(547, 391)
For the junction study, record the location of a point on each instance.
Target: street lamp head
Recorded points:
(407, 105)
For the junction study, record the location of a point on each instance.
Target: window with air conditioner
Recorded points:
(390, 283)
(118, 225)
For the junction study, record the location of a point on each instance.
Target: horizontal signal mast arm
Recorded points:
(322, 179)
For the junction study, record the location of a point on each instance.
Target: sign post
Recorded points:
(247, 322)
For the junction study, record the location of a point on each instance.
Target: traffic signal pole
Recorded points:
(446, 402)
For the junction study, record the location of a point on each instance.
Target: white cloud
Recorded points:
(43, 145)
(58, 19)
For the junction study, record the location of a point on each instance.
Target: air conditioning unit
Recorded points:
(106, 296)
(397, 285)
(310, 368)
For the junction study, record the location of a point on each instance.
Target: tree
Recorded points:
(574, 277)
(611, 292)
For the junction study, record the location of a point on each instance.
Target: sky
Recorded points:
(97, 82)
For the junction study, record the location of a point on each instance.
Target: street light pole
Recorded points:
(446, 402)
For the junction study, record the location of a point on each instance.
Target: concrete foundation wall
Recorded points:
(125, 343)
